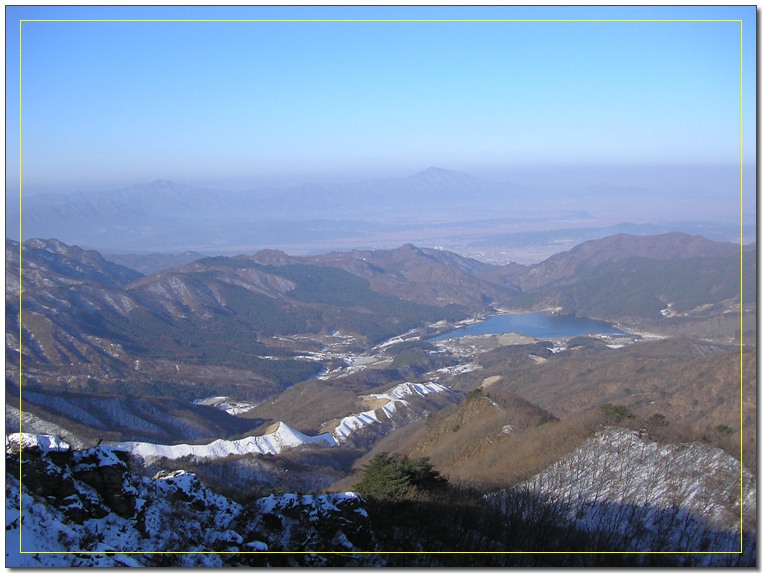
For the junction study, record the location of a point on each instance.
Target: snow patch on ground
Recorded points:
(353, 423)
(226, 404)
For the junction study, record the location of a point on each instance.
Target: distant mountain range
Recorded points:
(309, 201)
(433, 207)
(165, 215)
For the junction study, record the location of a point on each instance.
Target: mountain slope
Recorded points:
(233, 323)
(90, 417)
(638, 287)
(51, 262)
(153, 262)
(630, 491)
(564, 266)
(633, 278)
(425, 276)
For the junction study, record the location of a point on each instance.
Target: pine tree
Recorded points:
(393, 476)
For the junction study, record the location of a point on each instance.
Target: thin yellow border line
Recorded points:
(390, 552)
(20, 370)
(742, 287)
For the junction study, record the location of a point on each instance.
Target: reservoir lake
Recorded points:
(536, 325)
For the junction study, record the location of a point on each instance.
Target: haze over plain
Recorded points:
(244, 105)
(530, 126)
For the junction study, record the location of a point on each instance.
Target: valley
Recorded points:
(293, 373)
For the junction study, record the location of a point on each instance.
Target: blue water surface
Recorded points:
(536, 325)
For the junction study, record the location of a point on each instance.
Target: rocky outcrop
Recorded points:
(83, 484)
(313, 522)
(105, 470)
(59, 503)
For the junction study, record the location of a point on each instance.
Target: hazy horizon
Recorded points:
(657, 176)
(240, 105)
(569, 117)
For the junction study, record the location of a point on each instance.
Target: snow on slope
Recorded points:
(28, 422)
(633, 492)
(694, 476)
(317, 504)
(32, 526)
(411, 389)
(353, 423)
(390, 401)
(282, 438)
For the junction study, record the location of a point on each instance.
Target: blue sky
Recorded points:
(235, 105)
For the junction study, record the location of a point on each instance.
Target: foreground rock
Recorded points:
(86, 508)
(619, 500)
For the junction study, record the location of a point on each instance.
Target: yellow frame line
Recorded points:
(392, 552)
(20, 369)
(742, 287)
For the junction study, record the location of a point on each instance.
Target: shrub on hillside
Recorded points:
(393, 476)
(616, 412)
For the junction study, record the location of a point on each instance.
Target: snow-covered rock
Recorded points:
(313, 522)
(88, 501)
(171, 520)
(14, 442)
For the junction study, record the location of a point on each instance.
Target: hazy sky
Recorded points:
(241, 104)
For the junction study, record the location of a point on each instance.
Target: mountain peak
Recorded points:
(271, 257)
(438, 173)
(159, 184)
(434, 169)
(408, 248)
(438, 179)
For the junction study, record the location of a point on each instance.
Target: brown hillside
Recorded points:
(696, 387)
(425, 276)
(617, 247)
